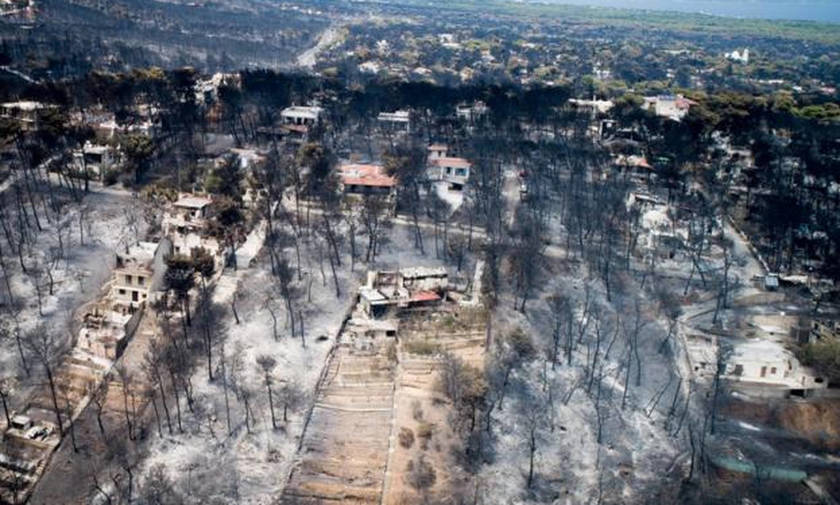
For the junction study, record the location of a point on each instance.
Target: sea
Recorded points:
(810, 10)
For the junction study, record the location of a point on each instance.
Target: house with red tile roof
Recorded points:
(366, 179)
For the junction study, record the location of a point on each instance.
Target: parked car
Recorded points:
(37, 433)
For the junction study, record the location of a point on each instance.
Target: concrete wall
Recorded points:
(163, 252)
(130, 329)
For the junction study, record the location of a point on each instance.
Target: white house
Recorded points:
(95, 159)
(601, 73)
(370, 67)
(105, 333)
(471, 112)
(248, 158)
(454, 171)
(109, 127)
(366, 179)
(674, 107)
(184, 224)
(397, 121)
(593, 106)
(207, 90)
(301, 115)
(767, 363)
(739, 57)
(412, 287)
(437, 151)
(189, 210)
(131, 280)
(658, 234)
(24, 112)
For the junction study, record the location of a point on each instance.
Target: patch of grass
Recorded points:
(425, 430)
(422, 347)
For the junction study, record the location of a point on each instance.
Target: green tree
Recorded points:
(317, 162)
(180, 279)
(138, 151)
(226, 178)
(227, 225)
(824, 355)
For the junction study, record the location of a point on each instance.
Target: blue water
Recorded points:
(812, 10)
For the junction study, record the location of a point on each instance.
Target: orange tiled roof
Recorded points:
(355, 174)
(425, 296)
(452, 162)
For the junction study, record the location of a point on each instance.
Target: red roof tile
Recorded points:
(452, 162)
(425, 296)
(297, 128)
(353, 174)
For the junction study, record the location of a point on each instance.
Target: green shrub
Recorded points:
(406, 437)
(110, 177)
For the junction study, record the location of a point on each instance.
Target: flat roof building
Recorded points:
(301, 115)
(95, 159)
(104, 333)
(437, 151)
(768, 364)
(412, 287)
(453, 171)
(185, 223)
(132, 278)
(397, 121)
(471, 112)
(674, 107)
(24, 112)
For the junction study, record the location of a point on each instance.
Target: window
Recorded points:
(128, 279)
(461, 172)
(739, 370)
(141, 280)
(772, 370)
(122, 291)
(764, 371)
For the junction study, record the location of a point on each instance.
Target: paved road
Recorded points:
(309, 57)
(551, 250)
(19, 74)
